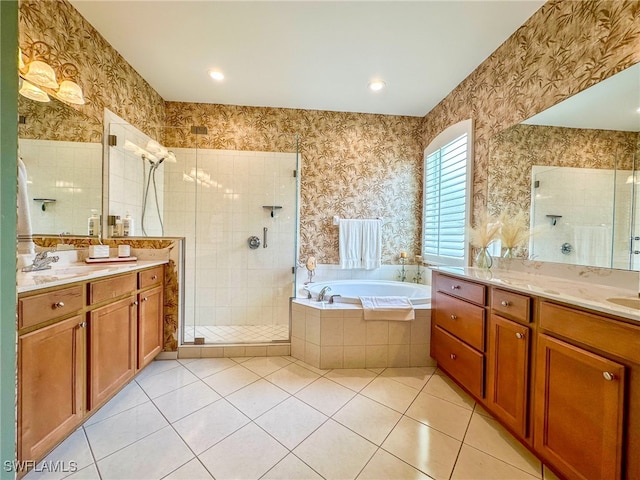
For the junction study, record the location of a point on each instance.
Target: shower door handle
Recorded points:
(264, 236)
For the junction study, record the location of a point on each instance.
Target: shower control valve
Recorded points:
(254, 242)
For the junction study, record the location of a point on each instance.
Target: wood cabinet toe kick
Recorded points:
(564, 380)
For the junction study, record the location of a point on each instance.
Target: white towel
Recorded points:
(592, 245)
(25, 242)
(387, 308)
(360, 243)
(350, 243)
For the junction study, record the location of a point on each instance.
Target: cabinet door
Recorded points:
(508, 372)
(578, 410)
(50, 386)
(112, 349)
(150, 325)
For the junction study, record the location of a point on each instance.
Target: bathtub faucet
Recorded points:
(323, 292)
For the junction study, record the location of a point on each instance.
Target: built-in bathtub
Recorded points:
(335, 335)
(350, 291)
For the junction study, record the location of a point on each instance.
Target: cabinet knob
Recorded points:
(134, 303)
(454, 317)
(144, 299)
(505, 303)
(608, 376)
(58, 305)
(455, 287)
(453, 356)
(154, 277)
(82, 324)
(519, 335)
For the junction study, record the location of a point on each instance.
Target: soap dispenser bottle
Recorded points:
(93, 223)
(127, 226)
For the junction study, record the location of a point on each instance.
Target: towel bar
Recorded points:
(336, 219)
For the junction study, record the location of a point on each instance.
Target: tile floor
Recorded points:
(237, 333)
(278, 418)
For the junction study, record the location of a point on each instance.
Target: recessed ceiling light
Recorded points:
(376, 85)
(216, 75)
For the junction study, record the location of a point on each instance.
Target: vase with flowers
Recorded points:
(481, 236)
(514, 232)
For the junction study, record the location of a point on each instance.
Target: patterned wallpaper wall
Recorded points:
(353, 165)
(565, 47)
(107, 80)
(514, 151)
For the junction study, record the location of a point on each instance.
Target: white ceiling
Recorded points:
(612, 104)
(307, 54)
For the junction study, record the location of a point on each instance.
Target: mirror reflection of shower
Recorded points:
(155, 154)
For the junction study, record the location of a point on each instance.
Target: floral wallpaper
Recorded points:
(107, 80)
(353, 165)
(563, 48)
(514, 151)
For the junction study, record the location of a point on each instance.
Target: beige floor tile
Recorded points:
(144, 459)
(166, 381)
(424, 448)
(158, 366)
(355, 379)
(368, 418)
(319, 371)
(384, 465)
(291, 422)
(292, 377)
(248, 453)
(255, 399)
(390, 393)
(442, 415)
(231, 379)
(415, 377)
(87, 473)
(240, 359)
(473, 464)
(203, 367)
(547, 474)
(123, 429)
(192, 470)
(335, 452)
(73, 449)
(480, 410)
(183, 401)
(130, 396)
(289, 468)
(206, 427)
(377, 371)
(487, 435)
(264, 366)
(443, 387)
(325, 395)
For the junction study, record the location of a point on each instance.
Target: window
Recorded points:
(447, 190)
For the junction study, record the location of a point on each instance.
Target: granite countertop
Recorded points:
(77, 272)
(582, 294)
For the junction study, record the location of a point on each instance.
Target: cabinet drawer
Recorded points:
(151, 277)
(462, 319)
(511, 305)
(36, 309)
(109, 288)
(470, 291)
(461, 361)
(611, 336)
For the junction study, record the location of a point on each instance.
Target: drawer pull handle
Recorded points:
(505, 303)
(454, 317)
(58, 305)
(455, 287)
(453, 356)
(82, 324)
(519, 335)
(145, 299)
(608, 376)
(134, 303)
(154, 277)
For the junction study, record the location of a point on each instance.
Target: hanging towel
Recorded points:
(25, 242)
(387, 308)
(350, 243)
(592, 245)
(371, 244)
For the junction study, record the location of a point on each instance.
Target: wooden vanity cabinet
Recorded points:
(150, 315)
(51, 385)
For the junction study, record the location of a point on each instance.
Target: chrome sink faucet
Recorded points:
(323, 292)
(41, 262)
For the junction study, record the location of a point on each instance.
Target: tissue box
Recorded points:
(99, 251)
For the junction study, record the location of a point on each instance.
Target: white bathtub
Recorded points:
(350, 291)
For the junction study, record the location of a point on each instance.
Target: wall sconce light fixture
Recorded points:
(39, 80)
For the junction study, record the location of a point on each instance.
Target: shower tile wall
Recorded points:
(70, 173)
(218, 204)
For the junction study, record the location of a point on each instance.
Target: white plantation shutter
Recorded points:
(446, 192)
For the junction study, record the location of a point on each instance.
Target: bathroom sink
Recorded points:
(69, 271)
(626, 302)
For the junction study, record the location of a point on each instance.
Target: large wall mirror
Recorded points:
(573, 170)
(62, 151)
